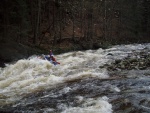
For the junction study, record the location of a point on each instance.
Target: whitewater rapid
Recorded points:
(31, 75)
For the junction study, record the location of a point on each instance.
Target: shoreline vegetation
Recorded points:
(29, 28)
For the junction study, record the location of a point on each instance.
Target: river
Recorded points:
(114, 80)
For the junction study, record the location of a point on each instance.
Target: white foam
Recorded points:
(98, 105)
(33, 74)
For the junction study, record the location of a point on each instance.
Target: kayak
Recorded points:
(46, 57)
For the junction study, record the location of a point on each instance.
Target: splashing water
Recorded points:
(100, 105)
(32, 75)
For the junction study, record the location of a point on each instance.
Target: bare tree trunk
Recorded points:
(54, 29)
(38, 22)
(105, 21)
(6, 21)
(92, 24)
(145, 16)
(33, 20)
(81, 16)
(60, 23)
(73, 26)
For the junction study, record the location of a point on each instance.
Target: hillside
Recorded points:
(65, 25)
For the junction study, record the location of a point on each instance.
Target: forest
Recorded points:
(67, 25)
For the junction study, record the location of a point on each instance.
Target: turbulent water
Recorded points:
(81, 83)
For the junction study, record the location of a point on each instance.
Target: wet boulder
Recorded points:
(138, 61)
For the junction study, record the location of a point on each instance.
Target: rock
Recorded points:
(130, 63)
(101, 66)
(142, 68)
(110, 54)
(122, 66)
(117, 61)
(133, 60)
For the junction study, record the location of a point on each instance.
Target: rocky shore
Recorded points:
(134, 61)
